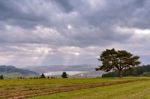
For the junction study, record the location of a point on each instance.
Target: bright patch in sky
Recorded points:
(69, 27)
(77, 54)
(136, 31)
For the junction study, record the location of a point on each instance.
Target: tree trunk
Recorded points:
(120, 73)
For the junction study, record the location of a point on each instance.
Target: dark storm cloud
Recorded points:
(21, 13)
(18, 13)
(64, 4)
(113, 13)
(11, 12)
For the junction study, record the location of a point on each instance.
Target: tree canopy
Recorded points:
(117, 60)
(1, 77)
(42, 75)
(64, 75)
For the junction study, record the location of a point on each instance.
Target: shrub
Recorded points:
(1, 77)
(42, 76)
(64, 75)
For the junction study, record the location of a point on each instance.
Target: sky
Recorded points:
(68, 32)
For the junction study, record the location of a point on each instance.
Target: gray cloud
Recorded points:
(65, 5)
(44, 30)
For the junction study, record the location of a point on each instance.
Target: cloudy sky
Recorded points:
(53, 32)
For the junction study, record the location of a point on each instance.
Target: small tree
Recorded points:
(42, 76)
(1, 77)
(64, 75)
(117, 60)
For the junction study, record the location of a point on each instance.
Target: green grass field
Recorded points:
(133, 90)
(77, 88)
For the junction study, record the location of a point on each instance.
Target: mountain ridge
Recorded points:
(9, 70)
(44, 69)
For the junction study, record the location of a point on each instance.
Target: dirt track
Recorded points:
(23, 93)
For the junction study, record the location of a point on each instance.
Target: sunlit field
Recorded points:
(132, 90)
(76, 88)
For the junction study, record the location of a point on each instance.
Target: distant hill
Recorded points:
(52, 68)
(11, 71)
(89, 74)
(76, 74)
(83, 70)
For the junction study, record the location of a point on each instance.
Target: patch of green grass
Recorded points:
(56, 82)
(132, 90)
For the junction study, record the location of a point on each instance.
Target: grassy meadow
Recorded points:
(133, 90)
(76, 88)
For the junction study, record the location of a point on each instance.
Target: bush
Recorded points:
(1, 77)
(42, 76)
(64, 75)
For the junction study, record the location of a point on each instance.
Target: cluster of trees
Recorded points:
(137, 71)
(117, 60)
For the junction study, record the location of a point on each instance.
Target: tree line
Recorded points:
(42, 76)
(136, 71)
